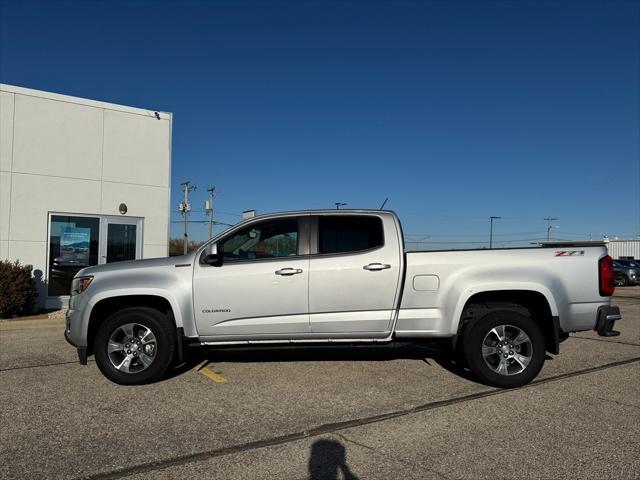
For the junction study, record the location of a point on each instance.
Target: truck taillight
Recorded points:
(607, 276)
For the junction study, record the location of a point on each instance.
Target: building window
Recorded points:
(73, 245)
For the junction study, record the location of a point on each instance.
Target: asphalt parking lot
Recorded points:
(388, 412)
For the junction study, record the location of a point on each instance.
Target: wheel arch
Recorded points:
(539, 304)
(103, 307)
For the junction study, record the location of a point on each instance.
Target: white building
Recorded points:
(624, 248)
(81, 183)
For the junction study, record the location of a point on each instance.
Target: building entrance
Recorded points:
(79, 241)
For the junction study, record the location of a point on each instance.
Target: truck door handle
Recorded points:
(377, 266)
(288, 271)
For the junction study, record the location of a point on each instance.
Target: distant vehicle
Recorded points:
(625, 275)
(328, 277)
(635, 264)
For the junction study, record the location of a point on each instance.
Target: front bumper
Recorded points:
(607, 316)
(82, 351)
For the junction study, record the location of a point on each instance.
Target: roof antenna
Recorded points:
(384, 203)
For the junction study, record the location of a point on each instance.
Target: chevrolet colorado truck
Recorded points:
(340, 276)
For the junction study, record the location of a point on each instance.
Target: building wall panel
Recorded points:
(154, 251)
(57, 138)
(5, 204)
(34, 196)
(136, 149)
(6, 130)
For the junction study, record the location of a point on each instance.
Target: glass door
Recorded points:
(121, 239)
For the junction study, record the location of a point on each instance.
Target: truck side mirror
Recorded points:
(211, 258)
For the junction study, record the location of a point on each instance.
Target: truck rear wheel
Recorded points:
(134, 346)
(504, 348)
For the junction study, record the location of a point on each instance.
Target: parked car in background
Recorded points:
(635, 264)
(625, 275)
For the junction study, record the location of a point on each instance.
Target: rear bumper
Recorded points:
(607, 316)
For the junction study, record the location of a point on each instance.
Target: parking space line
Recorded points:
(210, 374)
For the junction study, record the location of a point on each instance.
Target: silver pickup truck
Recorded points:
(340, 276)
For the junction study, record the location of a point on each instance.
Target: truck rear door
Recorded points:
(354, 274)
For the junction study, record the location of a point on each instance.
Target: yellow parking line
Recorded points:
(212, 375)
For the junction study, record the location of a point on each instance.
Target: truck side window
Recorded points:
(270, 239)
(339, 234)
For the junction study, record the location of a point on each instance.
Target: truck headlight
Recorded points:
(80, 284)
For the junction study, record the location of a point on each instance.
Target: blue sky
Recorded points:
(454, 110)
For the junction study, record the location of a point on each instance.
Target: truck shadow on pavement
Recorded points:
(438, 353)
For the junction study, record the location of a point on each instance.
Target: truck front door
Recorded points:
(260, 285)
(355, 274)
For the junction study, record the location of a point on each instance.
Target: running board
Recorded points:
(309, 340)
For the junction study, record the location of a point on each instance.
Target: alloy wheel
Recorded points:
(132, 348)
(507, 350)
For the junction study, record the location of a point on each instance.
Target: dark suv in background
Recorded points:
(627, 272)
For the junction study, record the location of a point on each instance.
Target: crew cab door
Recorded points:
(259, 286)
(355, 270)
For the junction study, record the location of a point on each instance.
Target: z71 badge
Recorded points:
(569, 253)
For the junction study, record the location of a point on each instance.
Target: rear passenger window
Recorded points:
(339, 234)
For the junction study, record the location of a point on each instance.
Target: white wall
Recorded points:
(71, 155)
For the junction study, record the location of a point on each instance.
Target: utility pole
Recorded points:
(491, 219)
(185, 208)
(208, 208)
(339, 204)
(549, 226)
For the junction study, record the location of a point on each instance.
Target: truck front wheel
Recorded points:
(134, 346)
(504, 348)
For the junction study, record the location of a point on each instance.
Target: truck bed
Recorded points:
(439, 283)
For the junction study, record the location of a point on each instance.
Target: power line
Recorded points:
(215, 222)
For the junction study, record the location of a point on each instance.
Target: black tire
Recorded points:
(474, 336)
(622, 281)
(165, 344)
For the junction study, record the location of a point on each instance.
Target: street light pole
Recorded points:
(491, 219)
